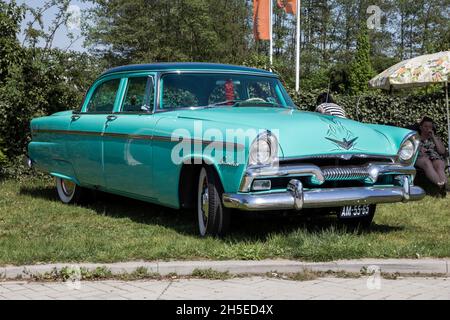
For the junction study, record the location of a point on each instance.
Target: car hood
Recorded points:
(305, 133)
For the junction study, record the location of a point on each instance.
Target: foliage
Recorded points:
(279, 66)
(361, 67)
(11, 16)
(211, 274)
(125, 31)
(330, 31)
(43, 83)
(2, 159)
(381, 108)
(35, 32)
(35, 81)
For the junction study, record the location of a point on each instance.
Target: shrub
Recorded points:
(2, 159)
(381, 108)
(45, 82)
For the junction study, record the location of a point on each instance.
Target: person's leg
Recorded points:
(439, 166)
(426, 164)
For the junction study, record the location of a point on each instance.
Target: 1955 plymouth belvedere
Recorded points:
(218, 137)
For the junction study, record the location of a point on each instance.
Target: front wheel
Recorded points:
(69, 192)
(213, 217)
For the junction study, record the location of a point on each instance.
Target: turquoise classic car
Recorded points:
(216, 138)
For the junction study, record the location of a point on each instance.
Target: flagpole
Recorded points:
(271, 33)
(297, 62)
(448, 113)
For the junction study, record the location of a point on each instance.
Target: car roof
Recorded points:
(182, 66)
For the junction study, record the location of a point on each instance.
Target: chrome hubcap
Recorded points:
(68, 187)
(205, 202)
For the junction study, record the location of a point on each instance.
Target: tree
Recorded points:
(124, 31)
(361, 68)
(11, 16)
(11, 53)
(35, 81)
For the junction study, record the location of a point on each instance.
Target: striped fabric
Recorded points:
(331, 109)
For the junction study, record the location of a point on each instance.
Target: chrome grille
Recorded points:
(342, 173)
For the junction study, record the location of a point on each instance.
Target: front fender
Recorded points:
(230, 173)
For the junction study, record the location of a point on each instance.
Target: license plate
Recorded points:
(355, 211)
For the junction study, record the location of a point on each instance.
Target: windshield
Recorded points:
(186, 90)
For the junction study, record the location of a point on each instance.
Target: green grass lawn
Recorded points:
(35, 228)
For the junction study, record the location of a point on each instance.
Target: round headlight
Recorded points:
(407, 150)
(260, 152)
(263, 150)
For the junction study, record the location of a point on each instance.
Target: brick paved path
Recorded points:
(239, 288)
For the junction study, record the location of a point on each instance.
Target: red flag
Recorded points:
(290, 6)
(261, 19)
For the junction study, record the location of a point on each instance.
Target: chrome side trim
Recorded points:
(295, 198)
(222, 144)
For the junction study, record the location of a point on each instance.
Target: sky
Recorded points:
(61, 39)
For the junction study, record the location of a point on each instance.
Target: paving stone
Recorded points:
(255, 288)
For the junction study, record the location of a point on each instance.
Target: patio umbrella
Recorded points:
(420, 71)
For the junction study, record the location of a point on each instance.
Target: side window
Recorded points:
(102, 100)
(179, 98)
(179, 92)
(135, 97)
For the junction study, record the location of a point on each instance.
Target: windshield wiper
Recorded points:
(222, 103)
(243, 103)
(258, 103)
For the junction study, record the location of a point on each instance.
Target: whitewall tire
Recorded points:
(213, 218)
(68, 191)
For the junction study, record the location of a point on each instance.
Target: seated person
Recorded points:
(431, 154)
(132, 104)
(326, 105)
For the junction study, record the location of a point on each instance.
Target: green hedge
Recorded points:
(374, 107)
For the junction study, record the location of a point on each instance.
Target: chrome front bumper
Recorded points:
(295, 198)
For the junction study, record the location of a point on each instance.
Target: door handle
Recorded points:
(111, 118)
(75, 117)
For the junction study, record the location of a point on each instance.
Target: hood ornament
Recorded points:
(344, 144)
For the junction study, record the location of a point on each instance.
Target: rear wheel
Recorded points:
(69, 192)
(213, 217)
